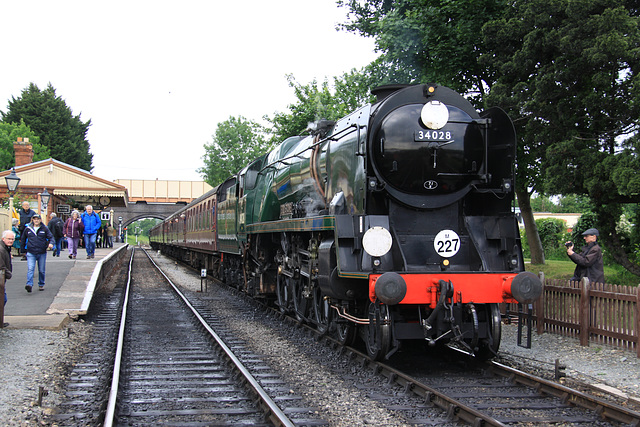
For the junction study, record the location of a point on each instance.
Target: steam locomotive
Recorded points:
(393, 223)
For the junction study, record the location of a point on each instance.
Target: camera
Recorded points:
(568, 244)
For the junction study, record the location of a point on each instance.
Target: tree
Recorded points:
(235, 144)
(566, 71)
(332, 101)
(48, 116)
(441, 42)
(9, 133)
(144, 225)
(573, 203)
(569, 78)
(314, 102)
(437, 40)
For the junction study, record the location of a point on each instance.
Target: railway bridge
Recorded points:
(141, 210)
(156, 198)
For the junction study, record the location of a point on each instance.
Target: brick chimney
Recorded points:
(24, 152)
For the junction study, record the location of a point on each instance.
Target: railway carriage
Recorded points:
(394, 223)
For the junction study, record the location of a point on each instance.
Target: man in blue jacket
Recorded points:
(92, 224)
(36, 239)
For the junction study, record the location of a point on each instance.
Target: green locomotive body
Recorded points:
(394, 223)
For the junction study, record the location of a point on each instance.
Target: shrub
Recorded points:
(553, 235)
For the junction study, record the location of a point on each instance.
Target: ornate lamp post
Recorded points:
(12, 184)
(45, 196)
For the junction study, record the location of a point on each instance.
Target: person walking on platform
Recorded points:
(8, 237)
(15, 222)
(99, 237)
(92, 224)
(73, 231)
(56, 227)
(111, 235)
(25, 219)
(36, 239)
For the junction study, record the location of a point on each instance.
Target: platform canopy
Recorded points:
(70, 187)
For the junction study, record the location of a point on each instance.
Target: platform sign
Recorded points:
(105, 216)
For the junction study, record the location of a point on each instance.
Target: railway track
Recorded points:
(171, 367)
(494, 394)
(416, 393)
(491, 393)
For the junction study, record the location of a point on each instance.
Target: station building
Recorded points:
(69, 188)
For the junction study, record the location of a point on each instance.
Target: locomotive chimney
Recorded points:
(381, 92)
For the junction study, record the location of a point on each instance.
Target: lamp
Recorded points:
(12, 184)
(45, 196)
(12, 181)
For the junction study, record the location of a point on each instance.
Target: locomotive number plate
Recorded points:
(432, 136)
(447, 243)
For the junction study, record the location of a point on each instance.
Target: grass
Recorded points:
(142, 239)
(554, 269)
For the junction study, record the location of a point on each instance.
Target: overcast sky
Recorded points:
(156, 77)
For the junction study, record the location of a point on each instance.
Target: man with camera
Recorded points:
(589, 260)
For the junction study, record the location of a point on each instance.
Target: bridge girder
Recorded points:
(137, 211)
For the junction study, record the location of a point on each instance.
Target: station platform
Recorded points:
(69, 286)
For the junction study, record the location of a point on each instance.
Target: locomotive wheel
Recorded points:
(489, 347)
(345, 331)
(300, 306)
(322, 312)
(378, 332)
(283, 292)
(473, 318)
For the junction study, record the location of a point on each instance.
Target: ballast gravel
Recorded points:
(34, 365)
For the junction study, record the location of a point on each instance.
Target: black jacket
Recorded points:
(589, 263)
(5, 260)
(56, 226)
(36, 242)
(25, 218)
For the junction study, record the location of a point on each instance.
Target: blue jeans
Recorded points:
(90, 243)
(31, 267)
(57, 246)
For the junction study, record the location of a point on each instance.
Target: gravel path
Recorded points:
(32, 359)
(35, 358)
(603, 366)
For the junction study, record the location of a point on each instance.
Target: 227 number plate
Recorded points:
(447, 243)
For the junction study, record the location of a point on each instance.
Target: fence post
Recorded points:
(584, 312)
(540, 308)
(638, 322)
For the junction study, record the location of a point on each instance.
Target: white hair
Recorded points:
(6, 233)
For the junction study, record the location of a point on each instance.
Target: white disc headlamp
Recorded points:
(377, 241)
(434, 114)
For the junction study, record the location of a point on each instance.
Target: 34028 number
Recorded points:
(432, 135)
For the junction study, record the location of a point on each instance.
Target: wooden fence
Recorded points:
(592, 312)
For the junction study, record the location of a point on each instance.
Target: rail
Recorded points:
(271, 409)
(276, 415)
